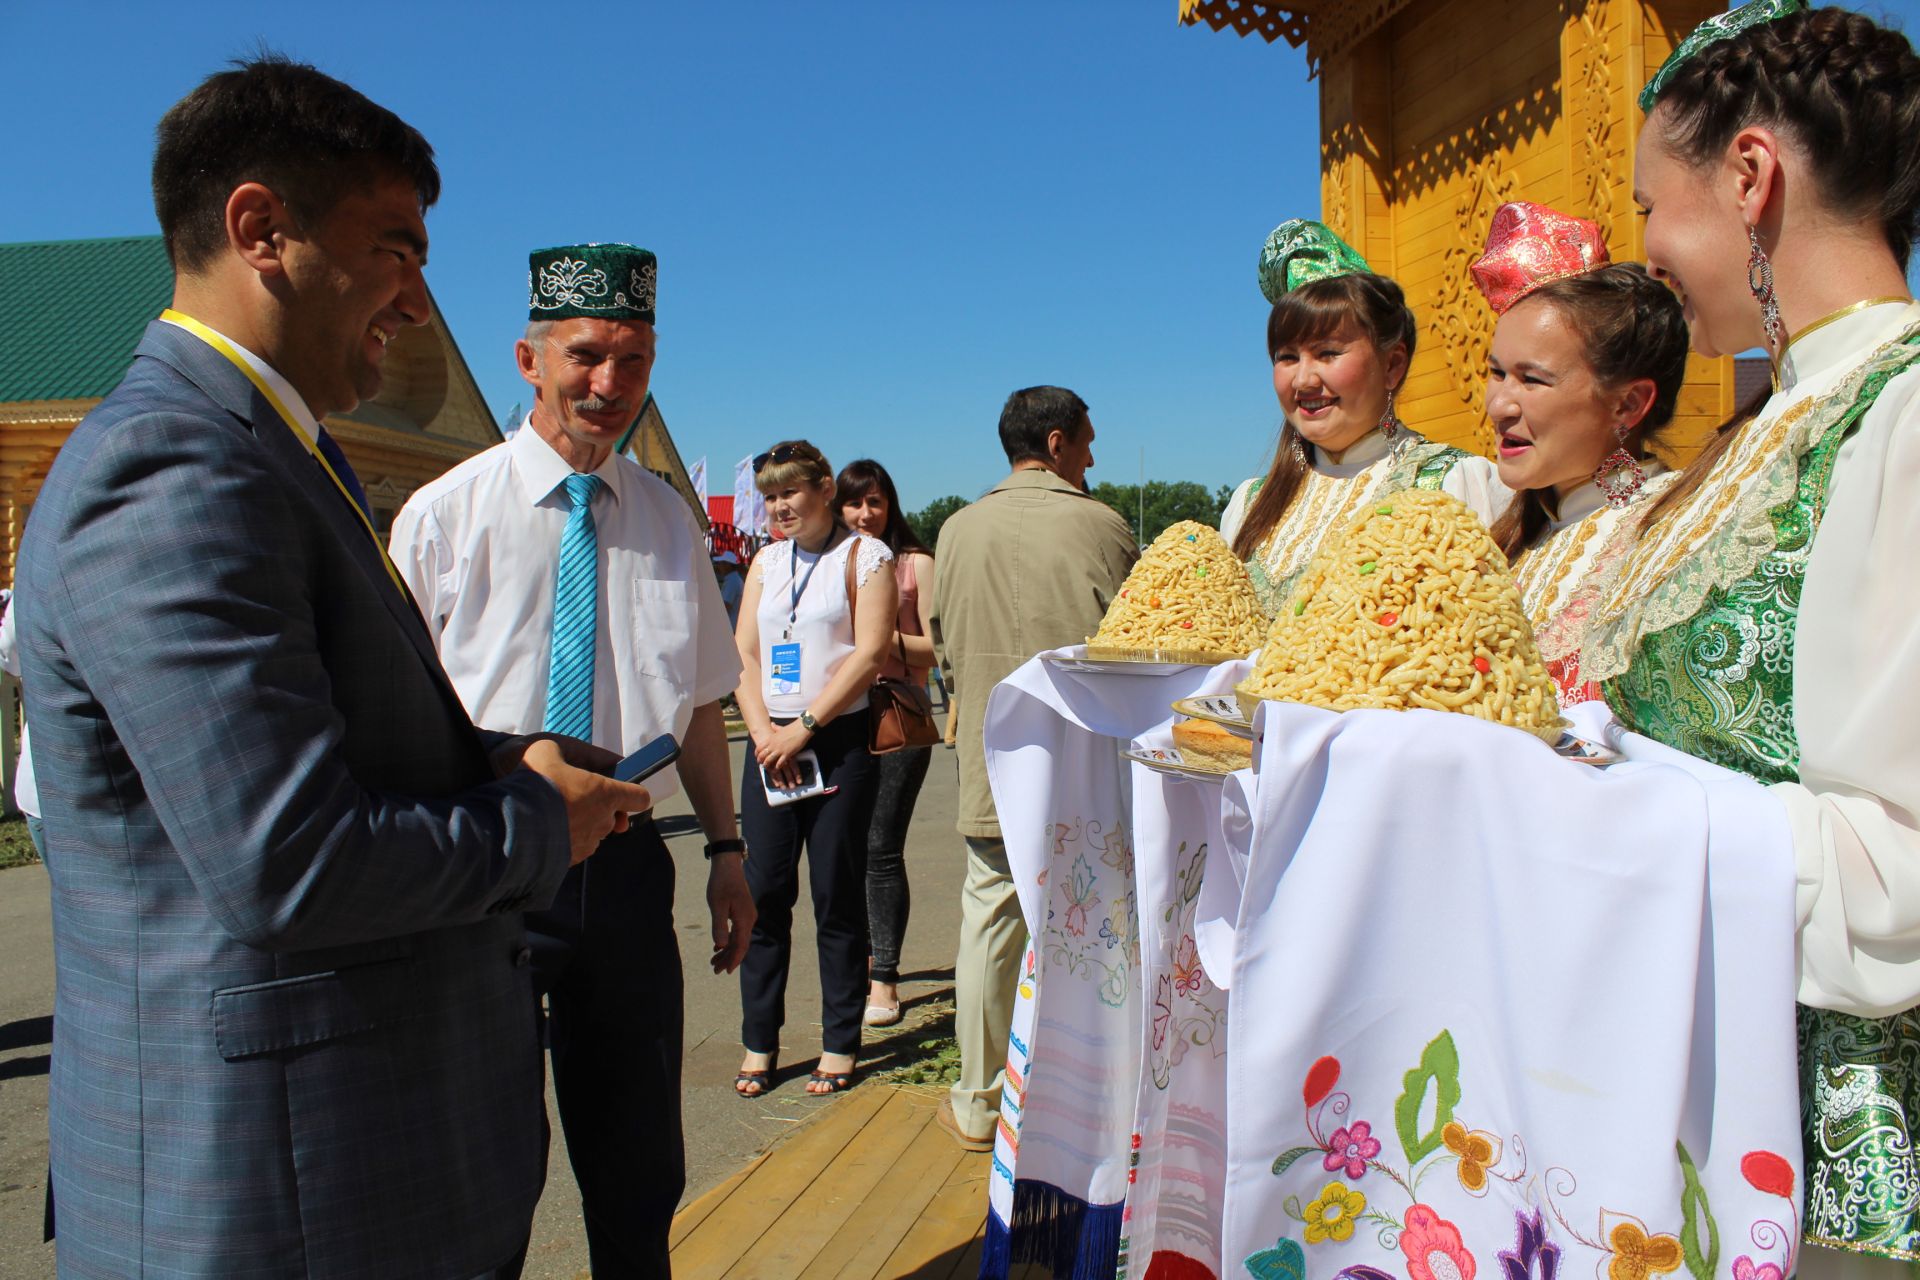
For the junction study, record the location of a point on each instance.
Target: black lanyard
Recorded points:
(797, 585)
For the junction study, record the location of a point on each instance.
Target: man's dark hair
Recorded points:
(1034, 413)
(301, 133)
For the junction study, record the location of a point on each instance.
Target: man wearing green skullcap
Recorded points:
(569, 590)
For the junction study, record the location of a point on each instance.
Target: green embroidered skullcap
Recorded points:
(1720, 27)
(598, 281)
(1299, 251)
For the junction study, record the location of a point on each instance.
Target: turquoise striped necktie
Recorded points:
(576, 605)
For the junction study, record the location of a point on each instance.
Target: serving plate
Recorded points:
(1077, 660)
(1221, 708)
(1167, 760)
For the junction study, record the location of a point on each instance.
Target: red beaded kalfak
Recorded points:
(1529, 244)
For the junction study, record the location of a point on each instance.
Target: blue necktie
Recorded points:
(338, 461)
(576, 604)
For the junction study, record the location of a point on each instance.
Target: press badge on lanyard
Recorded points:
(783, 672)
(783, 660)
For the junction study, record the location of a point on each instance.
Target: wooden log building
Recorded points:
(1435, 112)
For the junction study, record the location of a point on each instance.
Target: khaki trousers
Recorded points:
(986, 974)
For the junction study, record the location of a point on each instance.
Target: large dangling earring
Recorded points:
(1389, 421)
(1760, 281)
(1620, 477)
(1297, 446)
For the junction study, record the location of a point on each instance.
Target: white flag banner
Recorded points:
(697, 477)
(743, 495)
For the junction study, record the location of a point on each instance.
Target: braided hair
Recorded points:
(1842, 87)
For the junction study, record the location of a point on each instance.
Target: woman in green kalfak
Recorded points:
(1340, 338)
(1768, 615)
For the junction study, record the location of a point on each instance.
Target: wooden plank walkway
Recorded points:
(871, 1189)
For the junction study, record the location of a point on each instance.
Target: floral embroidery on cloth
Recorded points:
(1089, 934)
(1395, 1210)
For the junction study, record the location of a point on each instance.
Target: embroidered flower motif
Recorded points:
(569, 282)
(1350, 1149)
(1434, 1248)
(1285, 1261)
(1188, 975)
(1331, 1214)
(1767, 1172)
(1744, 1269)
(1637, 1255)
(1476, 1152)
(1533, 1256)
(1080, 896)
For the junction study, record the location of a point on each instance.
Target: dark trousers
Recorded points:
(833, 830)
(606, 958)
(888, 897)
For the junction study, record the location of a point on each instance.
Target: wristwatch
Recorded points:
(808, 723)
(733, 845)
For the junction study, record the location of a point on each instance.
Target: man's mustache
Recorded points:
(594, 404)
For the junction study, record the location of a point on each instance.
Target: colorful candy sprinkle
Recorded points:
(1123, 595)
(1383, 511)
(1201, 572)
(1187, 623)
(1369, 567)
(1388, 619)
(1299, 608)
(1193, 537)
(1154, 603)
(1482, 665)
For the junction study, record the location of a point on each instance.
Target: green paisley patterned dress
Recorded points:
(1720, 686)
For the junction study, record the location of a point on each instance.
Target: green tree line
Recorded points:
(1165, 502)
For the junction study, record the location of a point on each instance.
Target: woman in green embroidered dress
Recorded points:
(1767, 618)
(1340, 338)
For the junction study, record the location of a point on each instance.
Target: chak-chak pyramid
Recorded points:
(1414, 606)
(1188, 598)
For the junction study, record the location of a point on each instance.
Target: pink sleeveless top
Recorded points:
(908, 622)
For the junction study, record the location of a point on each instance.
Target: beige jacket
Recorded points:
(1029, 567)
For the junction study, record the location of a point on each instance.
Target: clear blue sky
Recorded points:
(873, 219)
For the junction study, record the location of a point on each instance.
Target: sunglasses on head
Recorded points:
(780, 453)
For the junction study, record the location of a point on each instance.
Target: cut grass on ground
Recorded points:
(16, 848)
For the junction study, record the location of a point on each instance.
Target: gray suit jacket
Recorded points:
(294, 1029)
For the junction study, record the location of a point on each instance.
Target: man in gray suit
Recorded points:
(293, 1029)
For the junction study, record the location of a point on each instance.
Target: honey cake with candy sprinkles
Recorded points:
(1413, 606)
(1188, 598)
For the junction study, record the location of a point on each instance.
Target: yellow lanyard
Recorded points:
(239, 362)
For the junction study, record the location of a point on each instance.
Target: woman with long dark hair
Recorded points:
(1586, 366)
(1765, 618)
(1340, 338)
(869, 504)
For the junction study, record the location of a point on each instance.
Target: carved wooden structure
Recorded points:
(1433, 112)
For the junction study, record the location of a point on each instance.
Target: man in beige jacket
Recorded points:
(1029, 567)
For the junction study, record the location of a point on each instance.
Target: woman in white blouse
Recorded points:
(1766, 617)
(815, 626)
(1586, 367)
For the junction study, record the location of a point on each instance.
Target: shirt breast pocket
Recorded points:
(664, 614)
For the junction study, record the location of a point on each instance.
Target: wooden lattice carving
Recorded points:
(1462, 321)
(1595, 95)
(1247, 17)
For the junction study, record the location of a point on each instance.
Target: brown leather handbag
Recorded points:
(899, 712)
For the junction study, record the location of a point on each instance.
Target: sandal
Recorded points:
(762, 1081)
(836, 1082)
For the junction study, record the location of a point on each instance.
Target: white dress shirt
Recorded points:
(480, 548)
(26, 792)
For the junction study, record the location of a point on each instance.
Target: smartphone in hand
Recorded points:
(648, 760)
